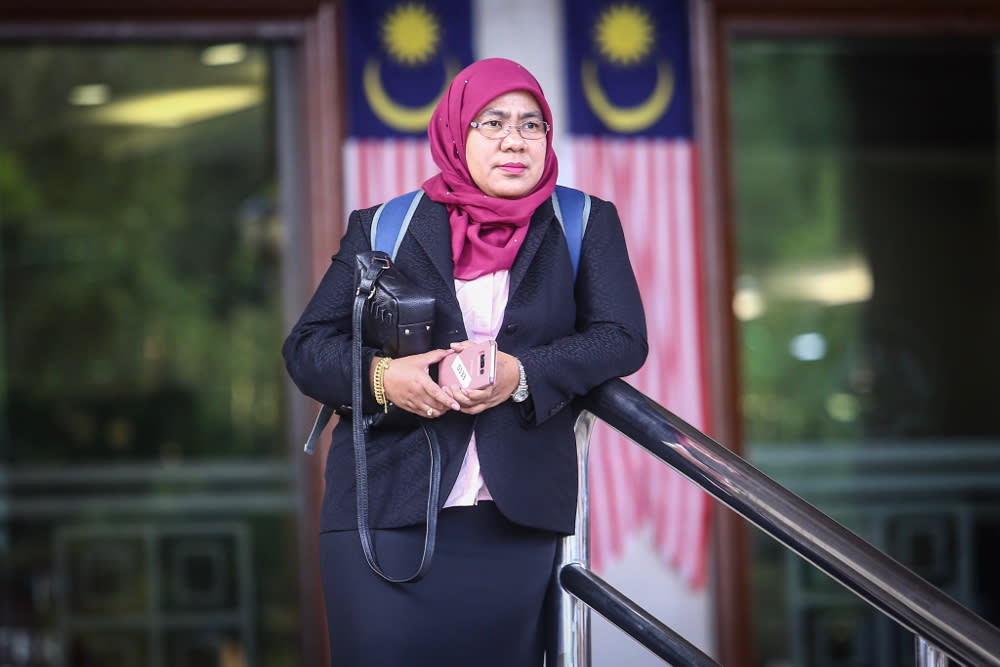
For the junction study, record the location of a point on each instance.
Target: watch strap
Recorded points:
(521, 393)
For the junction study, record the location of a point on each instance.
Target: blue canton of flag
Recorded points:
(629, 68)
(402, 55)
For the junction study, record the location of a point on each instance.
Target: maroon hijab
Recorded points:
(486, 232)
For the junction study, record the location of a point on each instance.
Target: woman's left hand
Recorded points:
(474, 401)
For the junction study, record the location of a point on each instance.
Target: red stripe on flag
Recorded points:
(651, 183)
(376, 170)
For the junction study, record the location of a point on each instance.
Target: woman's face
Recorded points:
(509, 167)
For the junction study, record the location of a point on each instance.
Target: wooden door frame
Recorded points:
(311, 26)
(714, 23)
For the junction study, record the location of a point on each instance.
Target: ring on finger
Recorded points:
(430, 412)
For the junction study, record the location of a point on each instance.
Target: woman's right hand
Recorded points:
(408, 384)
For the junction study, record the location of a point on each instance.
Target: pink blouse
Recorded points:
(483, 301)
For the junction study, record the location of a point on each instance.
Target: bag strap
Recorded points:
(391, 221)
(365, 289)
(389, 225)
(322, 419)
(572, 208)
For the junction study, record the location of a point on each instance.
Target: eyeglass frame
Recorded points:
(509, 126)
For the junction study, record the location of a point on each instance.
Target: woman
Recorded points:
(486, 243)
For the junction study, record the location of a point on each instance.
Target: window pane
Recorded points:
(146, 507)
(865, 187)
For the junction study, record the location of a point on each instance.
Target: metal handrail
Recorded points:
(942, 626)
(571, 637)
(579, 590)
(638, 623)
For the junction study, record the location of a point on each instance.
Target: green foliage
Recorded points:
(140, 276)
(787, 130)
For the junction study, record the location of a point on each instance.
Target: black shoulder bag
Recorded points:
(391, 314)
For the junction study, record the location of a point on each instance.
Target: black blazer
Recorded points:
(570, 338)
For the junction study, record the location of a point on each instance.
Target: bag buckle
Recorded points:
(380, 263)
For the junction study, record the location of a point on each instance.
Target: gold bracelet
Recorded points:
(378, 384)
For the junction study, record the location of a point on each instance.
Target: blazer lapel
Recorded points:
(543, 217)
(432, 232)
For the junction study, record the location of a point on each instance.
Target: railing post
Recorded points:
(929, 655)
(572, 636)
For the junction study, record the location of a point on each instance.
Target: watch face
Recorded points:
(519, 395)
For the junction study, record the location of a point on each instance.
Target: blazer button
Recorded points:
(510, 329)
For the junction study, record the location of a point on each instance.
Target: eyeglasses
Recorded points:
(529, 129)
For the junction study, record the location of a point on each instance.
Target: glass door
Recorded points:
(868, 296)
(147, 511)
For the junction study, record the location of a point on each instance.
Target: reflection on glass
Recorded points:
(146, 510)
(868, 260)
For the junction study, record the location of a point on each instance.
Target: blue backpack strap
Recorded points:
(572, 208)
(391, 221)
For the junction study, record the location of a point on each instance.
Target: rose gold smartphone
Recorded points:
(474, 367)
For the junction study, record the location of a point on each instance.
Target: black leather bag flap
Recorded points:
(398, 316)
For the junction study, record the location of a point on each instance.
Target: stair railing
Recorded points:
(944, 629)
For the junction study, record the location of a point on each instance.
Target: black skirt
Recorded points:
(481, 603)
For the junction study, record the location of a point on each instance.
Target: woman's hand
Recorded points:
(409, 385)
(474, 401)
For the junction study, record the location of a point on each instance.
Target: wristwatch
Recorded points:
(520, 394)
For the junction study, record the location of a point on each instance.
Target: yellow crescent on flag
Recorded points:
(399, 116)
(628, 119)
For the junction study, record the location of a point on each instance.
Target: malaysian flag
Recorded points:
(401, 57)
(629, 89)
